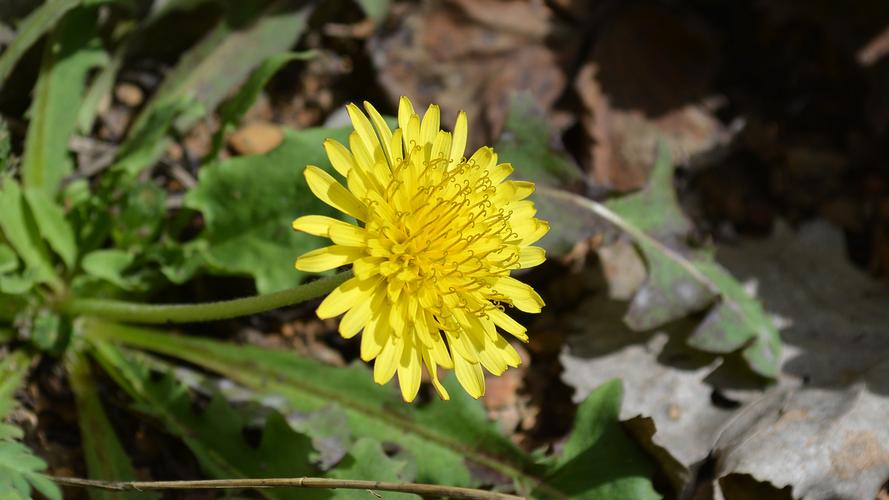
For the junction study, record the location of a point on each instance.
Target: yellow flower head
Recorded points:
(438, 236)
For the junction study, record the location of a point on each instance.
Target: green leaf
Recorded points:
(19, 471)
(137, 223)
(71, 51)
(247, 35)
(249, 204)
(105, 456)
(48, 331)
(19, 467)
(39, 22)
(375, 9)
(738, 321)
(13, 370)
(655, 209)
(9, 261)
(599, 459)
(7, 335)
(52, 225)
(18, 283)
(22, 234)
(215, 435)
(231, 112)
(367, 460)
(5, 146)
(529, 144)
(110, 265)
(446, 436)
(682, 280)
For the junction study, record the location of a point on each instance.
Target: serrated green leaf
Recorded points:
(9, 261)
(216, 435)
(39, 22)
(105, 456)
(231, 112)
(110, 265)
(259, 241)
(13, 370)
(248, 34)
(19, 471)
(599, 459)
(52, 225)
(682, 280)
(19, 467)
(738, 321)
(71, 51)
(22, 234)
(446, 436)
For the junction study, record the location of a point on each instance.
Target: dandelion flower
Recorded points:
(438, 235)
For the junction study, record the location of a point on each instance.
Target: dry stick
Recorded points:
(432, 490)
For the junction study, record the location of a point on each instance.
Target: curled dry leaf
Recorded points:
(667, 383)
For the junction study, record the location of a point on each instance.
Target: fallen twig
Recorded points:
(428, 490)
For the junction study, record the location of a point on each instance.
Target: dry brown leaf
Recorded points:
(637, 91)
(466, 56)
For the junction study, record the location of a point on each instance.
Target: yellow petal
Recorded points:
(536, 230)
(458, 141)
(490, 358)
(356, 318)
(375, 334)
(363, 156)
(387, 361)
(326, 258)
(328, 190)
(383, 130)
(397, 149)
(348, 235)
(433, 375)
(317, 225)
(366, 267)
(340, 157)
(500, 172)
(512, 326)
(531, 256)
(521, 295)
(363, 127)
(470, 377)
(484, 158)
(409, 372)
(340, 299)
(405, 111)
(431, 124)
(441, 145)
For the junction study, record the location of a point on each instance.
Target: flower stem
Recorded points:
(136, 312)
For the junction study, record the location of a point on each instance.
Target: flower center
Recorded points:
(439, 232)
